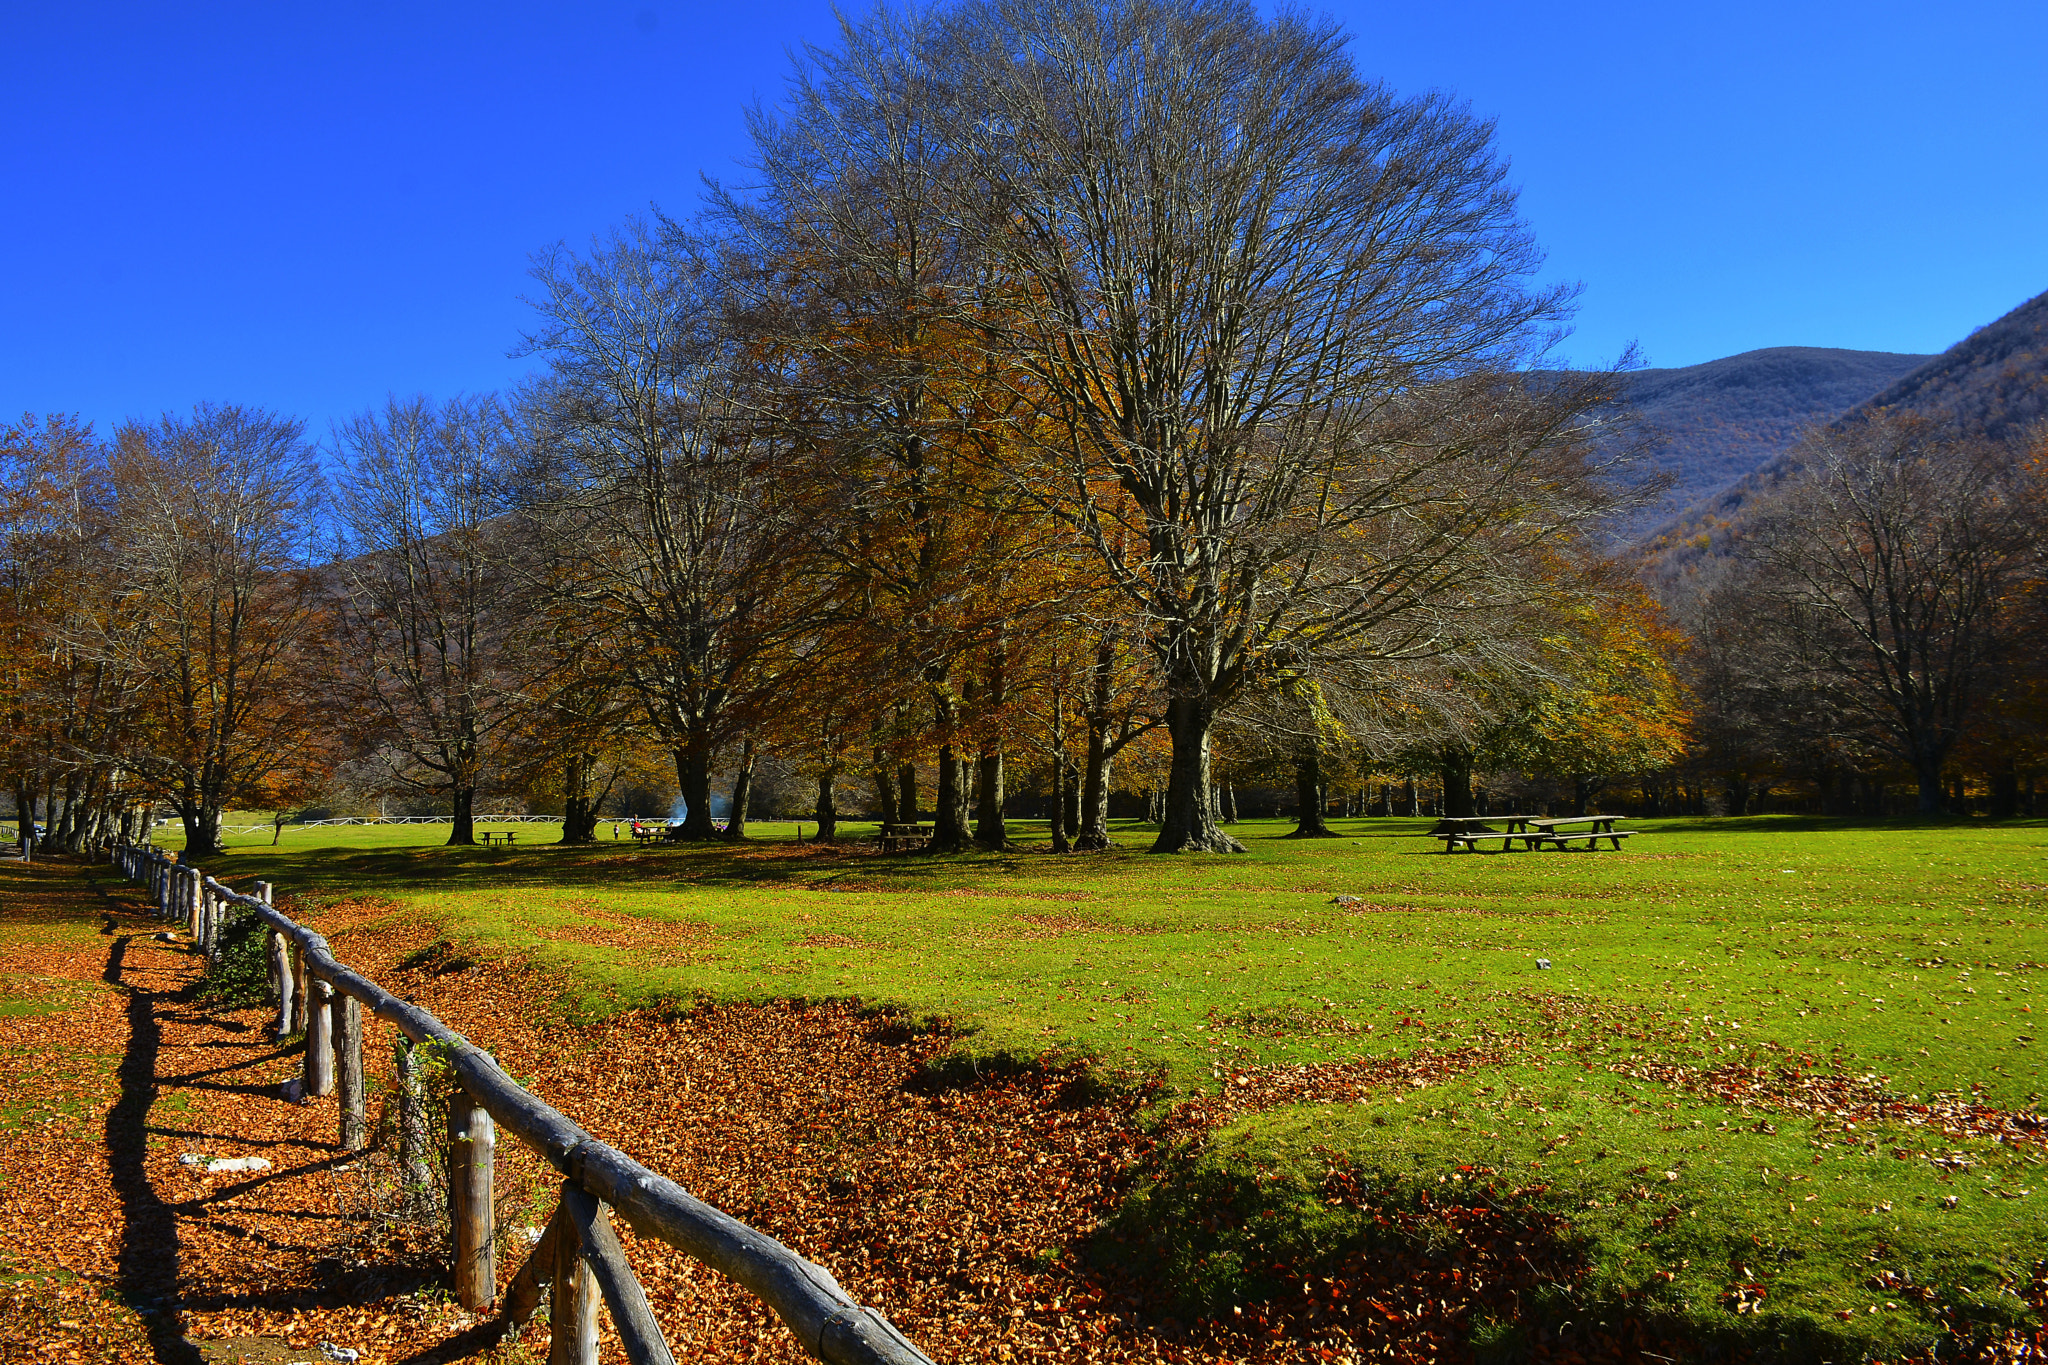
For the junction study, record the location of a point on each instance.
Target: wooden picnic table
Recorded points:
(1599, 827)
(1535, 831)
(904, 838)
(1468, 830)
(497, 837)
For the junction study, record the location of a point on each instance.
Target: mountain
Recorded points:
(1993, 382)
(1725, 418)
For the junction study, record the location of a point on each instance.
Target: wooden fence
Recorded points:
(578, 1255)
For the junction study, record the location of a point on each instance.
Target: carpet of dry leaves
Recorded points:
(956, 1206)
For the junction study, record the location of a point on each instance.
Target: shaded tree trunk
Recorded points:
(1454, 765)
(742, 793)
(579, 807)
(989, 829)
(202, 829)
(1092, 823)
(826, 813)
(462, 827)
(1309, 796)
(949, 822)
(1186, 826)
(1229, 804)
(1057, 822)
(885, 790)
(693, 779)
(906, 794)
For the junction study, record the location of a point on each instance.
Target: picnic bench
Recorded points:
(1534, 831)
(497, 837)
(904, 838)
(1551, 833)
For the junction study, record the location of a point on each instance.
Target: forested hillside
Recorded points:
(1723, 419)
(1995, 382)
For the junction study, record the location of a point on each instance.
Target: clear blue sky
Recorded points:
(306, 207)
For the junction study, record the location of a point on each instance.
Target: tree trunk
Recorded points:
(1308, 795)
(906, 794)
(1186, 826)
(1057, 822)
(579, 807)
(826, 814)
(989, 829)
(1455, 766)
(462, 829)
(885, 790)
(202, 830)
(1736, 795)
(949, 823)
(1092, 823)
(1229, 804)
(693, 776)
(742, 792)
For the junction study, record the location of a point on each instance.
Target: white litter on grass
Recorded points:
(236, 1165)
(1543, 964)
(192, 1159)
(329, 1351)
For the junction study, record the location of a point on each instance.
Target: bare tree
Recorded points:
(1270, 312)
(215, 524)
(663, 534)
(431, 617)
(1893, 563)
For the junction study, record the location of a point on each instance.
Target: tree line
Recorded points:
(1081, 389)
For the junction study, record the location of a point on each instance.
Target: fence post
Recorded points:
(472, 1144)
(283, 981)
(301, 992)
(412, 1125)
(572, 1310)
(348, 1069)
(195, 905)
(318, 1076)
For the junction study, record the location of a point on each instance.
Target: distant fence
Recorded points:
(578, 1254)
(440, 820)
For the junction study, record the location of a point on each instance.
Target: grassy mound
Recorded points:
(1783, 1237)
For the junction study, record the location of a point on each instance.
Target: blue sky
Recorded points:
(308, 207)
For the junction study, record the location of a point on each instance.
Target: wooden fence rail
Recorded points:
(578, 1254)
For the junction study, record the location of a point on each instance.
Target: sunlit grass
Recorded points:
(1904, 953)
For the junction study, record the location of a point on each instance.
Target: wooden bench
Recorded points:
(1471, 839)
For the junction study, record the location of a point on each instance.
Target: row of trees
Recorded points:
(1073, 377)
(1076, 384)
(1882, 621)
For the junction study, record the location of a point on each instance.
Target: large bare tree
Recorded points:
(1895, 562)
(215, 524)
(431, 611)
(665, 542)
(1272, 313)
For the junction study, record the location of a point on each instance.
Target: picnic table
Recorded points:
(904, 838)
(497, 837)
(1534, 831)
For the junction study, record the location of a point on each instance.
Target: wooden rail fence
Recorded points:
(578, 1257)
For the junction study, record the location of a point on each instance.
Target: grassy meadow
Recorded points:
(1722, 1091)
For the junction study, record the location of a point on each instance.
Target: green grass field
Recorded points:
(1722, 999)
